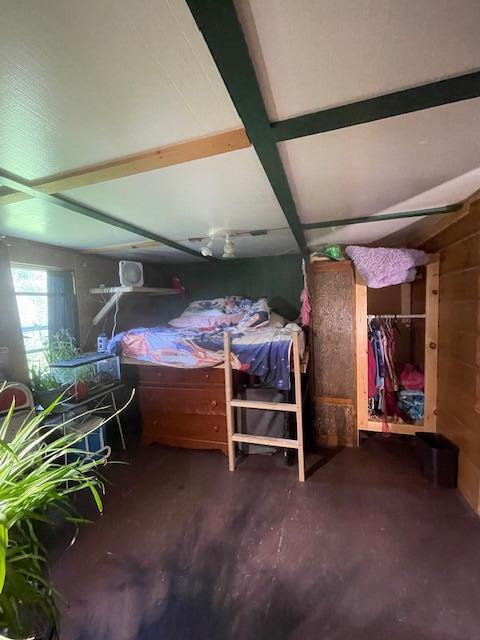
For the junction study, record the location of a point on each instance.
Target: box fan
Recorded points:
(131, 282)
(131, 273)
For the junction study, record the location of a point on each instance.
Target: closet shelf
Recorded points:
(397, 316)
(394, 427)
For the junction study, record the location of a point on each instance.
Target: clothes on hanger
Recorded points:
(386, 399)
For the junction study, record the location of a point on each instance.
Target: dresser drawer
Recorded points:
(187, 427)
(191, 401)
(172, 377)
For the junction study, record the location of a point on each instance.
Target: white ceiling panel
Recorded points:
(274, 243)
(160, 254)
(311, 54)
(85, 82)
(365, 169)
(364, 233)
(229, 191)
(42, 222)
(450, 192)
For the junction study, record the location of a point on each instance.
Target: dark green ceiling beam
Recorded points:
(343, 222)
(12, 182)
(386, 106)
(218, 22)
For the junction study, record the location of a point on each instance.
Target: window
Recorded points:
(46, 305)
(30, 286)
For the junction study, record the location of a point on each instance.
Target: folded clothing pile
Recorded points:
(412, 403)
(411, 398)
(381, 267)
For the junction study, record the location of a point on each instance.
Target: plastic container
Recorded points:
(438, 459)
(102, 342)
(87, 374)
(93, 443)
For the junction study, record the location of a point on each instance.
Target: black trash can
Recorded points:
(438, 459)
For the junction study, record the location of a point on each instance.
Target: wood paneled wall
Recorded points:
(458, 409)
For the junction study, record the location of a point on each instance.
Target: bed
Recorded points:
(180, 367)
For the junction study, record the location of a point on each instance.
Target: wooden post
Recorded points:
(431, 343)
(361, 356)
(298, 404)
(228, 401)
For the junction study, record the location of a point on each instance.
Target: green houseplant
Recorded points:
(36, 478)
(45, 385)
(62, 346)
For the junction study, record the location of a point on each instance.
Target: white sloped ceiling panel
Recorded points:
(86, 82)
(311, 55)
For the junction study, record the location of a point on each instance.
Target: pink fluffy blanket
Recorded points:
(381, 267)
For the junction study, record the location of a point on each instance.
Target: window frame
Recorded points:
(46, 294)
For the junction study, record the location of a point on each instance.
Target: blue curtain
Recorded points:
(62, 305)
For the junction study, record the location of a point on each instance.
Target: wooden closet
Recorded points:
(418, 302)
(341, 303)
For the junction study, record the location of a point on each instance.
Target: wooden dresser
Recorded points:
(184, 407)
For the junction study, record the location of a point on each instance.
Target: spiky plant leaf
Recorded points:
(40, 470)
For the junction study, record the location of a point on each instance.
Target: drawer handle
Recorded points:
(215, 428)
(213, 403)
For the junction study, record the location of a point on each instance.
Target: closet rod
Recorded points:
(396, 315)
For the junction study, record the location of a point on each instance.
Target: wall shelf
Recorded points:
(117, 292)
(156, 291)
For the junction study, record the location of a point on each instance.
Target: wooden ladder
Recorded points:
(296, 408)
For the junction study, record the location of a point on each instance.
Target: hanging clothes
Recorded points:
(372, 371)
(383, 401)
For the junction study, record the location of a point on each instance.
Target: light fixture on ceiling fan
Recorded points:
(228, 247)
(206, 251)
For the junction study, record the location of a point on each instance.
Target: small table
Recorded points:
(65, 407)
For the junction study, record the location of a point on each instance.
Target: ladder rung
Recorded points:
(265, 440)
(256, 404)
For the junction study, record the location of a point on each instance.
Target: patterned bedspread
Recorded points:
(263, 351)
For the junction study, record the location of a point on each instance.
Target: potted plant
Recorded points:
(62, 346)
(40, 471)
(45, 385)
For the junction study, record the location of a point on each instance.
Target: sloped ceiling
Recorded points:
(88, 82)
(315, 55)
(369, 168)
(312, 55)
